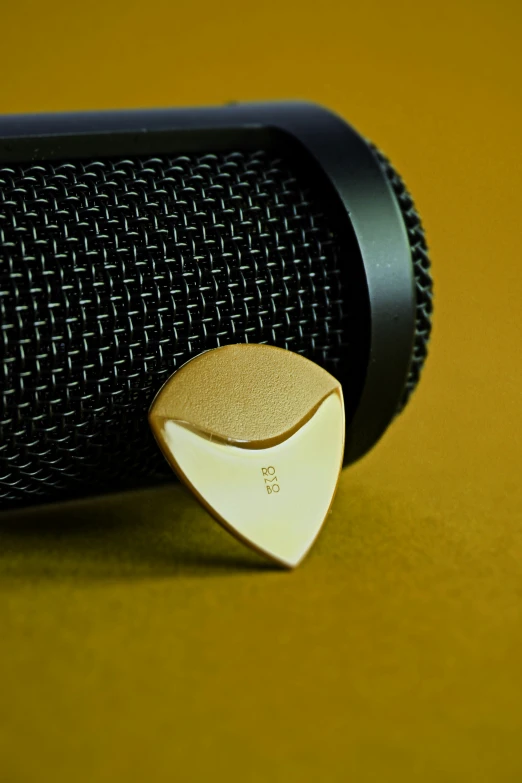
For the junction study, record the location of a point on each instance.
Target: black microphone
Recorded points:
(131, 241)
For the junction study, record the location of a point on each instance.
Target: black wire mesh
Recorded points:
(113, 273)
(116, 272)
(421, 270)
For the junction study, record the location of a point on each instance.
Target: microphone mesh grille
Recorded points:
(422, 276)
(113, 273)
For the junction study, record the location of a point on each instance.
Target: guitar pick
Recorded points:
(257, 433)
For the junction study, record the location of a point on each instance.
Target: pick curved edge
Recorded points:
(157, 422)
(246, 393)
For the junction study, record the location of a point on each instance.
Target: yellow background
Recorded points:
(138, 642)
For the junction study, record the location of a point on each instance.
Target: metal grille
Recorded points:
(115, 272)
(421, 272)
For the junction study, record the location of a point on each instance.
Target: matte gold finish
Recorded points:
(249, 393)
(257, 433)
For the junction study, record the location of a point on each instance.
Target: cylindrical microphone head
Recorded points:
(131, 241)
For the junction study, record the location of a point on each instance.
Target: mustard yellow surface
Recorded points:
(138, 642)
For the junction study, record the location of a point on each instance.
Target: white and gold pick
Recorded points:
(257, 433)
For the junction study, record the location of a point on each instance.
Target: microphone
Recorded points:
(132, 241)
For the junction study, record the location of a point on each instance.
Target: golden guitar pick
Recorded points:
(257, 433)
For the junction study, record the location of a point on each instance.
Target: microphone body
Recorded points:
(131, 241)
